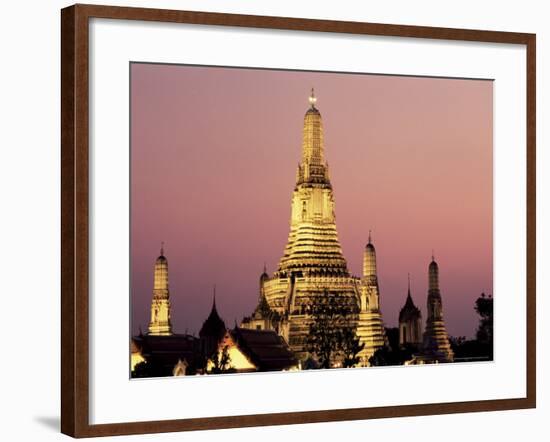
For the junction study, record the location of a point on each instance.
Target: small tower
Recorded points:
(160, 324)
(370, 328)
(436, 340)
(263, 317)
(263, 278)
(410, 322)
(370, 276)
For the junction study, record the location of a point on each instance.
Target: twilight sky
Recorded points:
(213, 162)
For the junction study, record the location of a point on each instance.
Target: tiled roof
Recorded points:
(265, 348)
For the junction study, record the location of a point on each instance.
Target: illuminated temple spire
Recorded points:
(160, 306)
(313, 244)
(369, 264)
(370, 328)
(436, 340)
(313, 267)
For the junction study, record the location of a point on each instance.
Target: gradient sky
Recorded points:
(213, 162)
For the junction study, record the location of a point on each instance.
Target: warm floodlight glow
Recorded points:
(312, 98)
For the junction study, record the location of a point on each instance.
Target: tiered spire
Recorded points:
(313, 266)
(313, 168)
(436, 340)
(433, 271)
(313, 244)
(370, 276)
(160, 324)
(370, 328)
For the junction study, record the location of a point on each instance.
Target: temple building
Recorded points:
(311, 275)
(164, 354)
(313, 264)
(410, 323)
(250, 350)
(437, 347)
(160, 324)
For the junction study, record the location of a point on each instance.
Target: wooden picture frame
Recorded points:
(75, 219)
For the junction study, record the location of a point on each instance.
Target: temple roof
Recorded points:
(265, 348)
(409, 311)
(163, 352)
(214, 325)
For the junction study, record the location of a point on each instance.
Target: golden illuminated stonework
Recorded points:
(370, 328)
(313, 264)
(160, 324)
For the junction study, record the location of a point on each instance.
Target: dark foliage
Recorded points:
(150, 369)
(393, 353)
(484, 308)
(350, 347)
(221, 363)
(471, 349)
(331, 333)
(480, 348)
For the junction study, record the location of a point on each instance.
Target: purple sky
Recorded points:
(214, 154)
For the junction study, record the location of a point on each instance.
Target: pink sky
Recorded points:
(214, 154)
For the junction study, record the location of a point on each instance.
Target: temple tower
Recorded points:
(410, 322)
(370, 328)
(313, 244)
(160, 306)
(312, 264)
(436, 340)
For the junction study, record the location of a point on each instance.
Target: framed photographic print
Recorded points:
(310, 220)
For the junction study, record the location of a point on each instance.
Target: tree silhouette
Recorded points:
(484, 308)
(221, 363)
(351, 347)
(482, 346)
(331, 333)
(150, 369)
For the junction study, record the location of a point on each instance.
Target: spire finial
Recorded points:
(265, 267)
(433, 256)
(162, 248)
(370, 236)
(409, 282)
(214, 299)
(312, 99)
